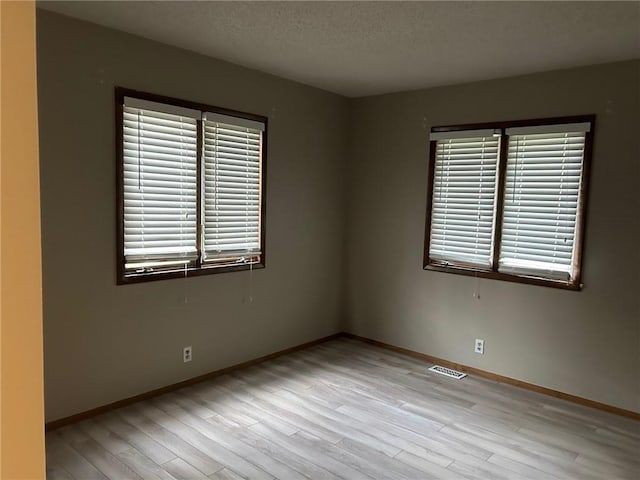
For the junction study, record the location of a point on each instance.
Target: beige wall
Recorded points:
(105, 342)
(22, 412)
(584, 343)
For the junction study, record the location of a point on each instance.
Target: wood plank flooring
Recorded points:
(347, 410)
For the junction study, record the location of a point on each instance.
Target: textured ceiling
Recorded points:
(366, 48)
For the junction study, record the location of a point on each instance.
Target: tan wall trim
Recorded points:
(22, 409)
(499, 378)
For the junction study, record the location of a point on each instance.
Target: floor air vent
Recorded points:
(448, 372)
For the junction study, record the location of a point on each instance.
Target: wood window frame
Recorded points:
(199, 268)
(581, 215)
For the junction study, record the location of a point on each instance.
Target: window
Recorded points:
(507, 200)
(190, 181)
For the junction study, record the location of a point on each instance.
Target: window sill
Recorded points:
(125, 278)
(474, 272)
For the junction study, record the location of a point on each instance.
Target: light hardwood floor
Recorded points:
(347, 410)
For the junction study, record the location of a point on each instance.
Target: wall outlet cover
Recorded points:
(187, 354)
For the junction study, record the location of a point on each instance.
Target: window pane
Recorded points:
(160, 193)
(463, 201)
(542, 190)
(232, 192)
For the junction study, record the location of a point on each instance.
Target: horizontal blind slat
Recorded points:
(542, 188)
(232, 194)
(159, 170)
(463, 199)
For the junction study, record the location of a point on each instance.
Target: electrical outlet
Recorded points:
(187, 354)
(479, 346)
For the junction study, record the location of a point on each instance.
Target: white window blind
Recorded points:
(542, 188)
(464, 190)
(232, 189)
(159, 174)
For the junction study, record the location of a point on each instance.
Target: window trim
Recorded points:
(122, 276)
(492, 272)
